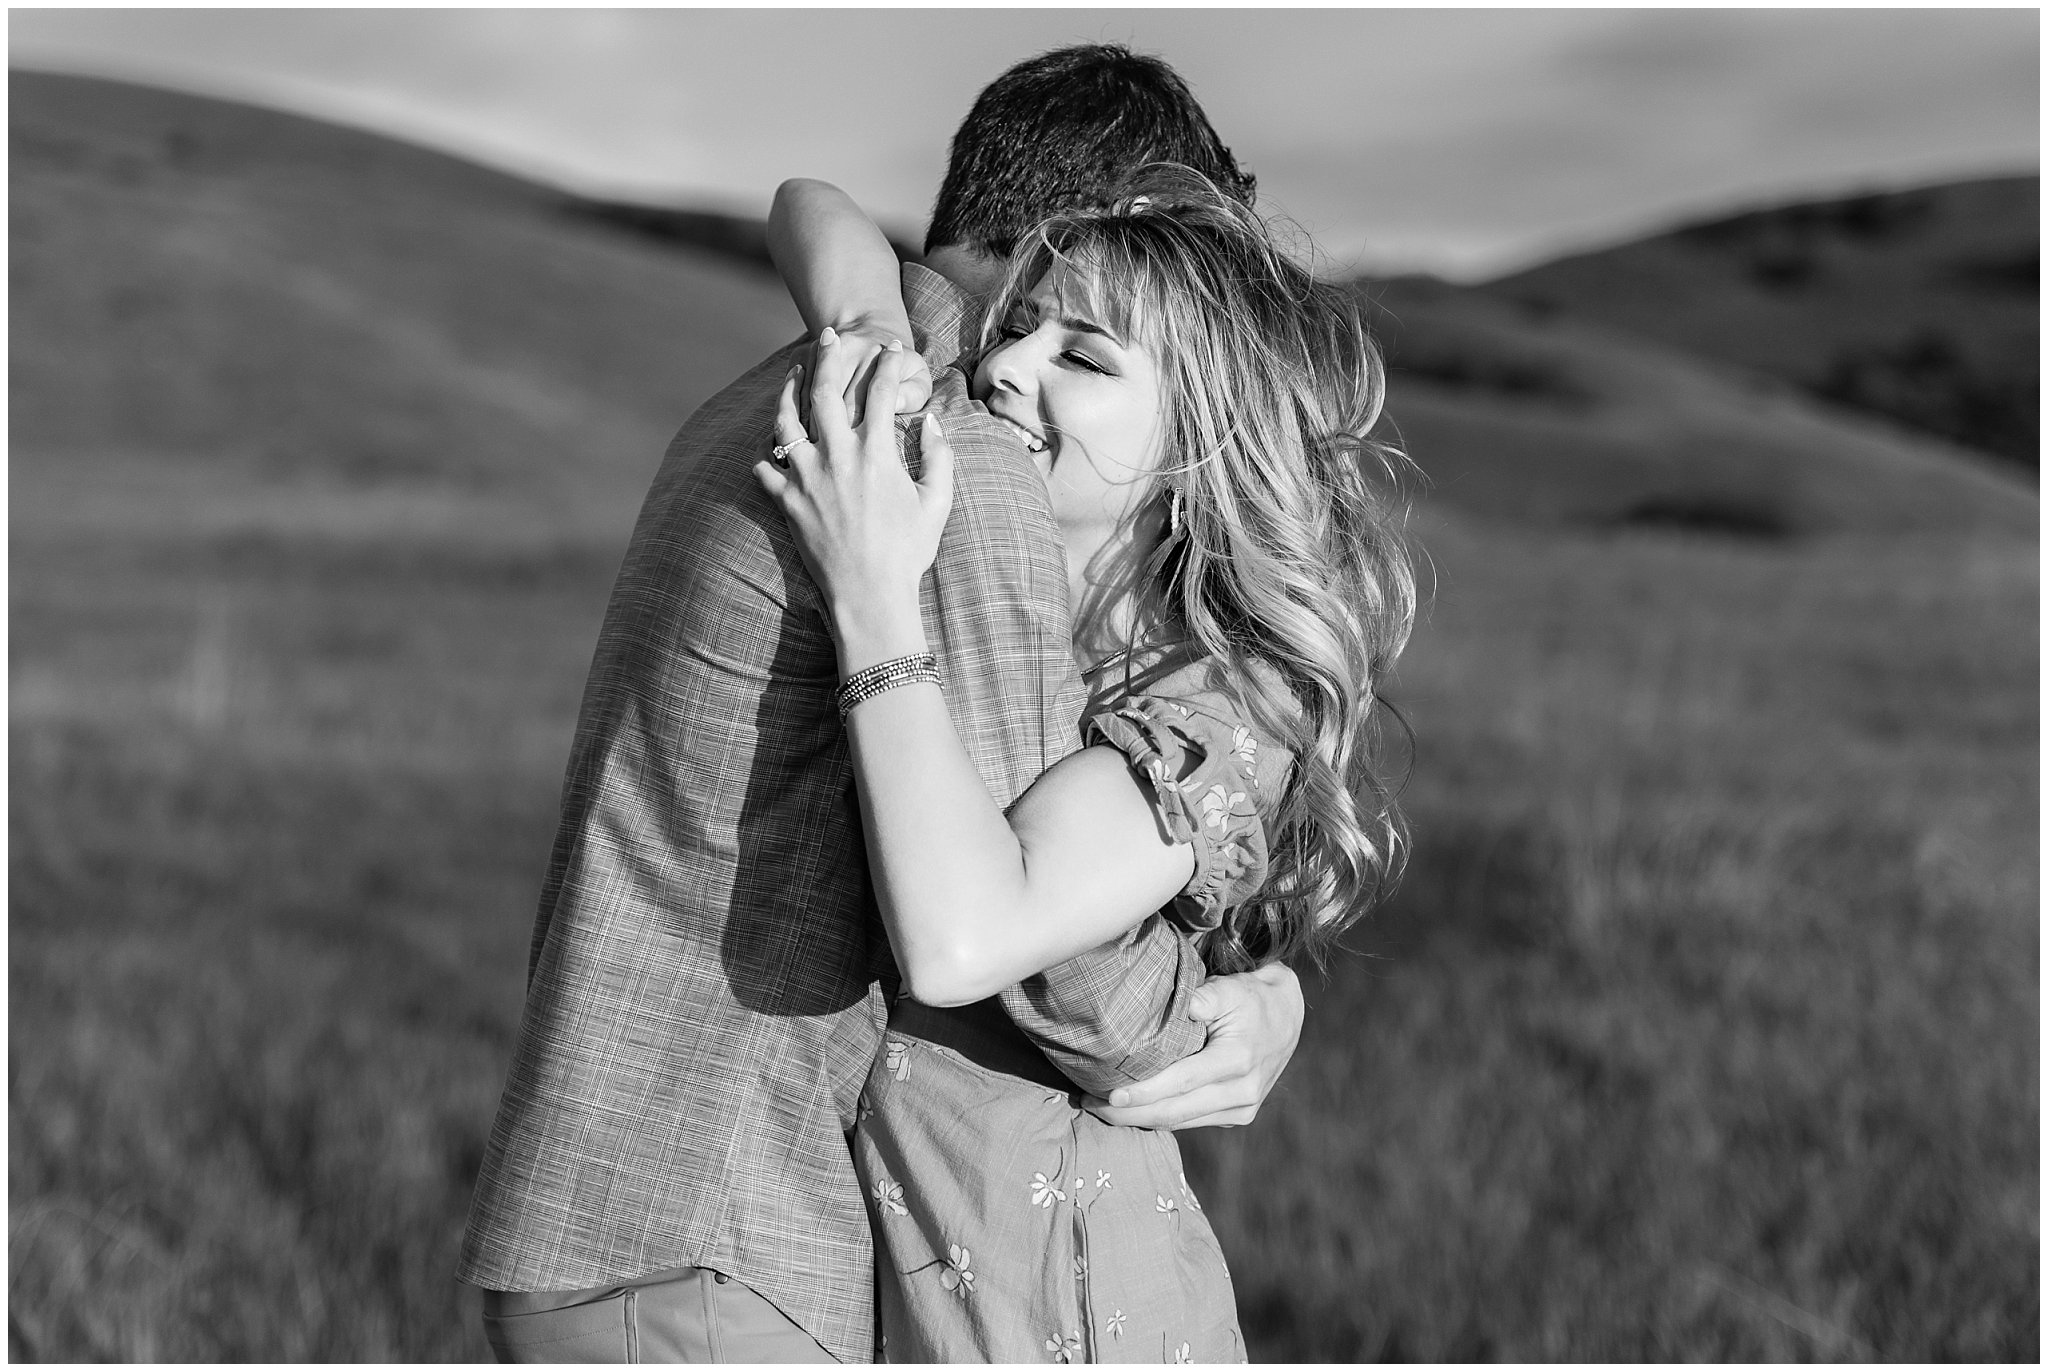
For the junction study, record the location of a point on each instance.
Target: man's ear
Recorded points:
(976, 272)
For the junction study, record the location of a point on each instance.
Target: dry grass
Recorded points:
(1705, 1025)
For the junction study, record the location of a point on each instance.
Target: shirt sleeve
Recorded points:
(1116, 1014)
(1201, 773)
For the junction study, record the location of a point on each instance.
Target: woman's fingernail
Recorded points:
(895, 345)
(827, 336)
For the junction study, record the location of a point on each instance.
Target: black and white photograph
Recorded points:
(777, 685)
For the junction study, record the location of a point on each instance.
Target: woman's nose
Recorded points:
(1010, 366)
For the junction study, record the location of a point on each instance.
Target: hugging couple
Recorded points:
(983, 713)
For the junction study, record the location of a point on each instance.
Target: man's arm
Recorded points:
(1254, 1023)
(1137, 1027)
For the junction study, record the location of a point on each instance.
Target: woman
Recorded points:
(1201, 408)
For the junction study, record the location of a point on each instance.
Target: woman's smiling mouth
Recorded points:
(1032, 442)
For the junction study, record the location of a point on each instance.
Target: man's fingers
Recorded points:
(1176, 1080)
(1222, 1119)
(1269, 989)
(1211, 1105)
(1208, 1001)
(1221, 1063)
(1254, 1020)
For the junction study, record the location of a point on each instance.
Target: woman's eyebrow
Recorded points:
(1080, 325)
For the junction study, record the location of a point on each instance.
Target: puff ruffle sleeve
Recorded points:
(1203, 775)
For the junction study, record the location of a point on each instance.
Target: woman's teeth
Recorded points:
(1031, 440)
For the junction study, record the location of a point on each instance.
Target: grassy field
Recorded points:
(277, 830)
(1705, 1026)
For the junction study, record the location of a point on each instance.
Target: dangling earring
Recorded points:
(1173, 514)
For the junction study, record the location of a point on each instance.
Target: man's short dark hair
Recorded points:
(1066, 131)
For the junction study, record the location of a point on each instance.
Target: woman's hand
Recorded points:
(867, 342)
(867, 532)
(842, 273)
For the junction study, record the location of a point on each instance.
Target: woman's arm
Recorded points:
(974, 900)
(843, 275)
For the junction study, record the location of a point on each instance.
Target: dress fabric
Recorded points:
(1011, 1225)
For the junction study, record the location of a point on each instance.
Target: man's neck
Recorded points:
(973, 271)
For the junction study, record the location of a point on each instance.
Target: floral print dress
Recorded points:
(1012, 1226)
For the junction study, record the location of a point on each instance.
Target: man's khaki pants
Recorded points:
(686, 1314)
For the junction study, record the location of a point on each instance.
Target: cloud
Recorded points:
(1454, 137)
(1562, 137)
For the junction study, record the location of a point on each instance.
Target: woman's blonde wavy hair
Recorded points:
(1283, 562)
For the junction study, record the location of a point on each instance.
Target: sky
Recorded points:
(1463, 141)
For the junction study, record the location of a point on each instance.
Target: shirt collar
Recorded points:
(938, 309)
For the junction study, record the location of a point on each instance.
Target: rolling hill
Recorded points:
(205, 292)
(201, 286)
(1536, 415)
(1920, 304)
(1704, 1026)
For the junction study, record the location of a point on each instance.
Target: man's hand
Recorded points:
(864, 341)
(1254, 1022)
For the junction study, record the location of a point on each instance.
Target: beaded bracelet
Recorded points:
(869, 682)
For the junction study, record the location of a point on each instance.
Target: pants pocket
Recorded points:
(595, 1331)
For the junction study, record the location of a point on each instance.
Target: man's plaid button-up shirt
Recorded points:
(705, 989)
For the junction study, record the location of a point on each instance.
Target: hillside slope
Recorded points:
(205, 288)
(1528, 416)
(1920, 304)
(221, 301)
(1704, 1027)
(1517, 415)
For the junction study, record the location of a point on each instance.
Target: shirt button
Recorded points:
(719, 1277)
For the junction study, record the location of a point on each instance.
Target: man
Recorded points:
(668, 1178)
